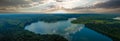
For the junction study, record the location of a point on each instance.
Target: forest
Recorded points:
(12, 25)
(104, 24)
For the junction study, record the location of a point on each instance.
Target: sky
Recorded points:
(60, 6)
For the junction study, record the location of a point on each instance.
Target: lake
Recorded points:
(72, 32)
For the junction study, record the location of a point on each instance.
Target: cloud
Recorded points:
(19, 3)
(109, 4)
(53, 5)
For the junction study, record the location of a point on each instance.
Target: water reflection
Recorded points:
(117, 18)
(73, 32)
(61, 27)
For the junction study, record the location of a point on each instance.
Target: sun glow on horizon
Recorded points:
(58, 11)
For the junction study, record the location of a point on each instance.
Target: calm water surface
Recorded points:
(72, 32)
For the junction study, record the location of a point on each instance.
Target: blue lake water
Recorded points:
(72, 32)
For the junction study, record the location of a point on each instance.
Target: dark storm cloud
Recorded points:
(109, 4)
(12, 2)
(17, 3)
